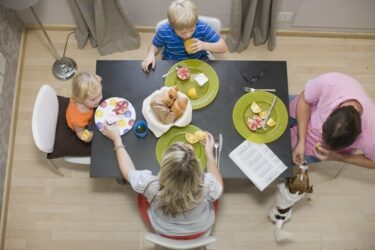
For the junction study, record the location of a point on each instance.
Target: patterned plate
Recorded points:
(116, 109)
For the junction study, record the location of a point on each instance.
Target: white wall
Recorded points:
(141, 12)
(334, 15)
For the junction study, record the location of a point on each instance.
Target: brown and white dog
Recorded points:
(287, 194)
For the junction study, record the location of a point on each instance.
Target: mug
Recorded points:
(140, 128)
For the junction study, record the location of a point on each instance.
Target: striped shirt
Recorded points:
(173, 45)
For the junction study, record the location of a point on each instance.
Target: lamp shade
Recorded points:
(18, 4)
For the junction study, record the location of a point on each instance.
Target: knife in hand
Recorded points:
(220, 146)
(269, 112)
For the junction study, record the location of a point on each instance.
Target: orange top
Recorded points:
(74, 117)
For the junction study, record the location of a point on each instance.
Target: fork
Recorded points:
(251, 90)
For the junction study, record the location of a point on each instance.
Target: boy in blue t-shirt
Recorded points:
(183, 25)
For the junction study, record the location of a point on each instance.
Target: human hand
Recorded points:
(197, 45)
(111, 132)
(85, 135)
(324, 154)
(148, 63)
(298, 154)
(209, 143)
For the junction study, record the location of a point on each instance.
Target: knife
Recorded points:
(269, 112)
(220, 146)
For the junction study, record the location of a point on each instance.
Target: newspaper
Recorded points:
(258, 162)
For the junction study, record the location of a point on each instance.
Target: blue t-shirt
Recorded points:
(174, 45)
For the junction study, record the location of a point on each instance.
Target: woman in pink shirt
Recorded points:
(336, 121)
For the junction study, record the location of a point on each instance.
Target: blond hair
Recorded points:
(182, 14)
(181, 180)
(85, 84)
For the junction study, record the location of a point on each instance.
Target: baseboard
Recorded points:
(13, 126)
(325, 34)
(225, 31)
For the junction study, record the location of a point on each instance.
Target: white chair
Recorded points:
(179, 244)
(44, 124)
(214, 22)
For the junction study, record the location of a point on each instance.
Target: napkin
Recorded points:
(154, 123)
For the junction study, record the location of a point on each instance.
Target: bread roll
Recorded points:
(170, 96)
(179, 106)
(162, 112)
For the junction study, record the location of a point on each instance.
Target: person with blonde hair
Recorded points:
(181, 201)
(86, 95)
(184, 36)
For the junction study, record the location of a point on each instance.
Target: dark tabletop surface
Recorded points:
(126, 79)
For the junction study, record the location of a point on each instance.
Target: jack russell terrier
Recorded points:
(287, 194)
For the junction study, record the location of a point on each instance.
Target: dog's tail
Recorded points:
(281, 235)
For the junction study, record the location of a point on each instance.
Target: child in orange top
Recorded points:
(86, 95)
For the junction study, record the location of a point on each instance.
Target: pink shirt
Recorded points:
(325, 93)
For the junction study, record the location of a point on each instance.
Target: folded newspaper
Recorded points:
(258, 162)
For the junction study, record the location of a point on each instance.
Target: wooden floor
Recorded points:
(76, 212)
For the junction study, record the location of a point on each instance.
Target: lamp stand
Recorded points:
(64, 67)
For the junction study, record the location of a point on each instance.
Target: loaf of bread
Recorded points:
(179, 106)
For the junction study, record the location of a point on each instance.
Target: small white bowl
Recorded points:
(201, 79)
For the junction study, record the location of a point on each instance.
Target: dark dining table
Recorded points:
(125, 78)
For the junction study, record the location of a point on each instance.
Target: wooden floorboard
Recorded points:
(46, 211)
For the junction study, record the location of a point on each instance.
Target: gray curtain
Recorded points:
(105, 24)
(256, 19)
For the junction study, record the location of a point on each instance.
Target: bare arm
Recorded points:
(324, 154)
(303, 116)
(124, 161)
(359, 160)
(150, 58)
(218, 47)
(211, 163)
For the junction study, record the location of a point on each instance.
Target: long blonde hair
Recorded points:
(182, 14)
(181, 180)
(85, 84)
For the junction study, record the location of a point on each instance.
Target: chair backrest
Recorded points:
(44, 119)
(214, 22)
(179, 244)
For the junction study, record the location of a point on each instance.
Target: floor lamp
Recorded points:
(64, 67)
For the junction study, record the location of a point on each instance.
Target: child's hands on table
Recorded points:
(148, 63)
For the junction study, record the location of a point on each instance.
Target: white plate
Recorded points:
(116, 107)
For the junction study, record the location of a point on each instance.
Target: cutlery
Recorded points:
(220, 146)
(269, 112)
(216, 145)
(171, 71)
(247, 89)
